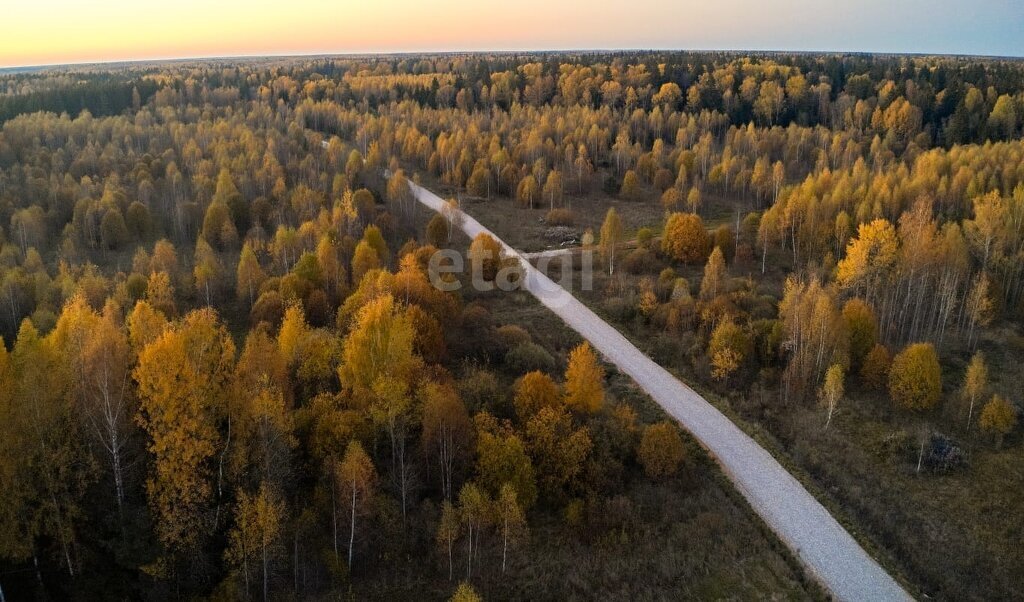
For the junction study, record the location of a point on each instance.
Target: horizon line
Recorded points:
(384, 53)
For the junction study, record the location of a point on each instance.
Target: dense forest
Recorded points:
(226, 373)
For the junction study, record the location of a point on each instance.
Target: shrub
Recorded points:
(680, 289)
(574, 513)
(630, 186)
(618, 309)
(685, 239)
(942, 454)
(644, 236)
(437, 231)
(526, 357)
(666, 280)
(915, 378)
(875, 370)
(535, 390)
(479, 389)
(512, 335)
(896, 447)
(560, 217)
(728, 349)
(465, 593)
(661, 450)
(640, 261)
(485, 255)
(998, 418)
(476, 335)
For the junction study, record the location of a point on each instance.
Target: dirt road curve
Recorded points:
(828, 552)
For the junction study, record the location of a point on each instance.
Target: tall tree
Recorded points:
(511, 520)
(145, 325)
(558, 448)
(183, 380)
(485, 256)
(107, 395)
(501, 457)
(862, 328)
(446, 431)
(611, 237)
(249, 275)
(728, 349)
(355, 479)
(255, 538)
(475, 510)
(815, 333)
(831, 391)
(380, 344)
(448, 531)
(49, 476)
(975, 384)
(714, 276)
(533, 392)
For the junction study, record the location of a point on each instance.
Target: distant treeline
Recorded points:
(101, 97)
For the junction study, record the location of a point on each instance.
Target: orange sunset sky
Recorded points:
(50, 31)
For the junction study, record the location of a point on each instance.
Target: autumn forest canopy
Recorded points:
(226, 373)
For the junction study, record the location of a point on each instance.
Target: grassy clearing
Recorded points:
(524, 228)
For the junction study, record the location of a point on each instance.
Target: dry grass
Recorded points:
(524, 228)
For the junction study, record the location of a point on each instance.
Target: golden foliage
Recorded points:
(728, 349)
(661, 450)
(534, 391)
(915, 377)
(584, 380)
(998, 417)
(875, 370)
(713, 282)
(182, 378)
(559, 449)
(685, 239)
(380, 345)
(485, 256)
(501, 459)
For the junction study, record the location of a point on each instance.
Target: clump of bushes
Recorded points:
(560, 217)
(640, 261)
(527, 357)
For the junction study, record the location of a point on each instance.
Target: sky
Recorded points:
(41, 32)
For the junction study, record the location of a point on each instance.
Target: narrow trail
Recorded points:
(621, 247)
(823, 546)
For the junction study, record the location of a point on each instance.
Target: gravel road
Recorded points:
(824, 547)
